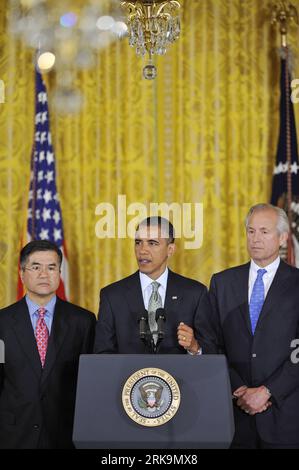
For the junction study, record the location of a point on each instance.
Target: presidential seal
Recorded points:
(151, 397)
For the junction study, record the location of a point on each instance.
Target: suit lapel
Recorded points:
(133, 295)
(241, 293)
(59, 330)
(24, 331)
(279, 284)
(174, 293)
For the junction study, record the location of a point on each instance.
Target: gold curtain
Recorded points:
(204, 131)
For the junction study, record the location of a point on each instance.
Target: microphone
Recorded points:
(160, 319)
(143, 325)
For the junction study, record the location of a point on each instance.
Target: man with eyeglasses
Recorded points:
(44, 337)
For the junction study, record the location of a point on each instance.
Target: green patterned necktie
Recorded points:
(155, 302)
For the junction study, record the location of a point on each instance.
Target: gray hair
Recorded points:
(283, 225)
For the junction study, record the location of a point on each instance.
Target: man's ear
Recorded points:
(283, 238)
(171, 249)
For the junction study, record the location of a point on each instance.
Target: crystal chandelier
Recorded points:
(152, 26)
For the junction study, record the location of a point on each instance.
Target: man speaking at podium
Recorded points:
(126, 303)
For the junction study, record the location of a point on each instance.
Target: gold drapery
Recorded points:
(205, 131)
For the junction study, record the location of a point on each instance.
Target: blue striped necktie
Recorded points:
(257, 299)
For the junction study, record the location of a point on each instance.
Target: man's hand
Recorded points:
(240, 391)
(253, 400)
(186, 338)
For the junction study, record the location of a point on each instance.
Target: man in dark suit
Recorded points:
(256, 318)
(153, 286)
(44, 337)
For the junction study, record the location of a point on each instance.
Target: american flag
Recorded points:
(285, 188)
(44, 220)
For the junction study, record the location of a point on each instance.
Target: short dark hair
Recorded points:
(38, 245)
(161, 222)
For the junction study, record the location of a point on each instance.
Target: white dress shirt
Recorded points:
(267, 277)
(147, 288)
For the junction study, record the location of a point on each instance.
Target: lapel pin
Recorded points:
(174, 297)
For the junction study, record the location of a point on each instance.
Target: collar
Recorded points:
(145, 280)
(271, 268)
(50, 306)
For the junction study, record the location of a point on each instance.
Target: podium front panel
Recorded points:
(204, 418)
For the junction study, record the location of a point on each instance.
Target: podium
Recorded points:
(203, 420)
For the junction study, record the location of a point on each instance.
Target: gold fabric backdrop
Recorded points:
(204, 131)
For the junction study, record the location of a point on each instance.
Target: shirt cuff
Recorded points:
(198, 353)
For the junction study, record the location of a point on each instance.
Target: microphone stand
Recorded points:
(145, 334)
(160, 319)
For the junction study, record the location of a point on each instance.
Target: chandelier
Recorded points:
(152, 26)
(67, 36)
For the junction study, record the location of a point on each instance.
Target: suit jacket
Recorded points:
(262, 358)
(38, 403)
(121, 305)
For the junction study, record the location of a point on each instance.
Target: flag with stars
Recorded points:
(285, 188)
(44, 220)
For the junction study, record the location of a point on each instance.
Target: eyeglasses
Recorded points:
(38, 269)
